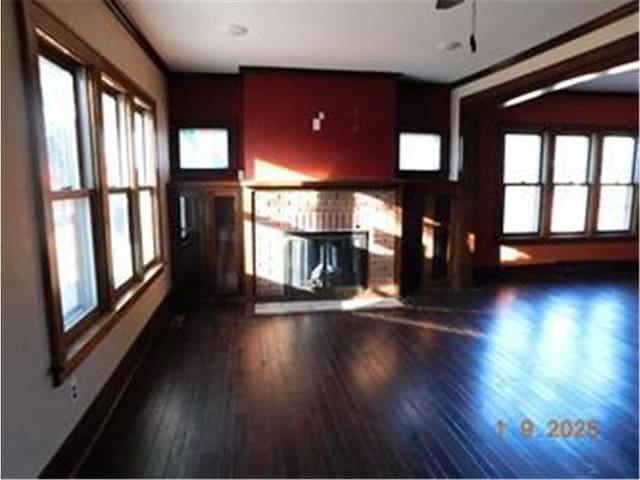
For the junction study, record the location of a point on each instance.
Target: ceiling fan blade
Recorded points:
(445, 4)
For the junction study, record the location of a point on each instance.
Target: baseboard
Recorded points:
(75, 449)
(590, 269)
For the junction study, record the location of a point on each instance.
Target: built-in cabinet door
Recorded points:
(206, 241)
(226, 244)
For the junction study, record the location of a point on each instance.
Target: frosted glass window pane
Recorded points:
(75, 259)
(522, 158)
(183, 216)
(614, 212)
(521, 209)
(147, 228)
(121, 249)
(571, 159)
(617, 159)
(59, 109)
(117, 171)
(204, 148)
(569, 209)
(420, 152)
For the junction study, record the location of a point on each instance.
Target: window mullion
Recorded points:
(134, 209)
(546, 180)
(100, 203)
(634, 184)
(634, 210)
(594, 184)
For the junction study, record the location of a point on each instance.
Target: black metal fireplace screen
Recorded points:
(325, 264)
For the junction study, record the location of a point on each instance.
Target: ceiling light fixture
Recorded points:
(448, 46)
(237, 30)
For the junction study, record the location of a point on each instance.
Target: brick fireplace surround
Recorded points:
(271, 213)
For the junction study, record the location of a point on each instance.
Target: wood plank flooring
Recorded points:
(411, 393)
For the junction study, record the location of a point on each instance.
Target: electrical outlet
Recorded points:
(75, 391)
(316, 125)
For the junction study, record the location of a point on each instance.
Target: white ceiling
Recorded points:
(382, 35)
(622, 83)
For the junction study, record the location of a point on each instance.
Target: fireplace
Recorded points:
(325, 264)
(323, 241)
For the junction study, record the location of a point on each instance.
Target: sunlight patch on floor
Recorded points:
(276, 308)
(466, 332)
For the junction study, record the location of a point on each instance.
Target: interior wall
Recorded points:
(197, 99)
(422, 107)
(358, 136)
(36, 417)
(569, 109)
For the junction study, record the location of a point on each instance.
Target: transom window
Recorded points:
(204, 148)
(522, 183)
(583, 185)
(420, 152)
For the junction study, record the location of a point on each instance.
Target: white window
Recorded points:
(143, 141)
(522, 183)
(616, 183)
(570, 188)
(70, 193)
(586, 185)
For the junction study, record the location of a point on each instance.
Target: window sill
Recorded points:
(83, 345)
(559, 239)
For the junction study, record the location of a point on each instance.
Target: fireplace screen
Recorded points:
(325, 264)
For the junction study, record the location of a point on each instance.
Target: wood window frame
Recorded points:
(148, 114)
(442, 173)
(589, 181)
(633, 183)
(549, 132)
(541, 184)
(43, 34)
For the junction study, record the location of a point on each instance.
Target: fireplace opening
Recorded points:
(325, 264)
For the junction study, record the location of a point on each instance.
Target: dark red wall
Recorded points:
(558, 109)
(423, 107)
(358, 137)
(205, 100)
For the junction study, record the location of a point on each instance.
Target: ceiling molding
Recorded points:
(598, 22)
(126, 20)
(250, 69)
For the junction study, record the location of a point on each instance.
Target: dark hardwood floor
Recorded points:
(412, 393)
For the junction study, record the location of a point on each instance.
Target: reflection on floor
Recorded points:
(393, 393)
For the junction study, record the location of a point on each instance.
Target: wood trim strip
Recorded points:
(620, 51)
(250, 69)
(126, 20)
(573, 269)
(441, 184)
(76, 448)
(598, 22)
